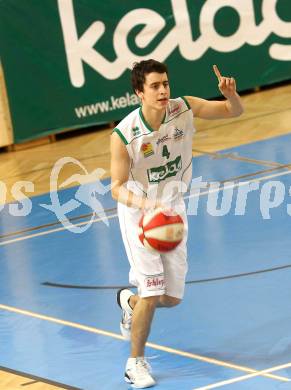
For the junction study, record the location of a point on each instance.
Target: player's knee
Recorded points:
(151, 301)
(174, 301)
(170, 301)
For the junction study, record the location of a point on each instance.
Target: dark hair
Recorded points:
(141, 69)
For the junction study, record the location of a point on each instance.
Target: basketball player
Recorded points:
(151, 166)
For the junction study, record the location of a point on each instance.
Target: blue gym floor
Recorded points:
(59, 321)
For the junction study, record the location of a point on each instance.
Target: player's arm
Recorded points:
(120, 166)
(231, 107)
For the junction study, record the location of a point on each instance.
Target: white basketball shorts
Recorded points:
(153, 273)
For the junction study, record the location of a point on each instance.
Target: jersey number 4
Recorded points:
(165, 152)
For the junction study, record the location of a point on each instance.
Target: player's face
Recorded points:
(156, 92)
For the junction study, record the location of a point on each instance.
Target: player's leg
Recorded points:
(168, 301)
(175, 270)
(141, 323)
(147, 274)
(164, 301)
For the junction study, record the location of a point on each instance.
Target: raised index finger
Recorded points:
(216, 71)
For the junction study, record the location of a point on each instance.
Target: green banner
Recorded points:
(67, 63)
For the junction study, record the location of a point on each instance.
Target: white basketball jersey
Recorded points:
(161, 161)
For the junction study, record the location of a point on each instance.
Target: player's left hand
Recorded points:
(226, 85)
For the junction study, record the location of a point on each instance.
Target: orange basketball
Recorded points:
(161, 230)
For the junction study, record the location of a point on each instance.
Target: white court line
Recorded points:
(53, 231)
(151, 345)
(235, 185)
(239, 184)
(244, 377)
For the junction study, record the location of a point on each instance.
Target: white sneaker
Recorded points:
(137, 373)
(122, 297)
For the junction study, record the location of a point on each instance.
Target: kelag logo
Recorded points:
(81, 48)
(157, 174)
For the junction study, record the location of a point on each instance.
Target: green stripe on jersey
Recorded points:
(186, 102)
(121, 135)
(145, 122)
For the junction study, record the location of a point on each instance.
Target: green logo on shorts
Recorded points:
(157, 174)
